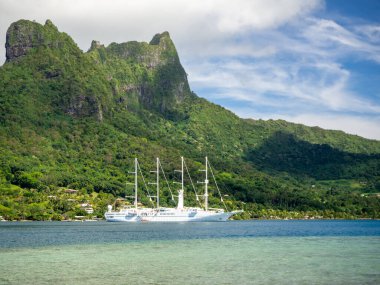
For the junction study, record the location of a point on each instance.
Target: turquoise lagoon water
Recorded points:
(236, 252)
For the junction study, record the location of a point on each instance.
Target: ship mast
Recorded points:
(181, 191)
(158, 181)
(205, 195)
(135, 183)
(182, 178)
(206, 187)
(180, 203)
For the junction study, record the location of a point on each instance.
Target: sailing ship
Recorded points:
(167, 214)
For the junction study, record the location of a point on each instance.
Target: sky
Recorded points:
(312, 62)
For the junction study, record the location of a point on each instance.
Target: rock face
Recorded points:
(159, 51)
(95, 45)
(159, 81)
(24, 35)
(81, 106)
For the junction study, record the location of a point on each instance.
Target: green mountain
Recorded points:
(75, 120)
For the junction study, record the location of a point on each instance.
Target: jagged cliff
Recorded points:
(145, 74)
(76, 119)
(130, 74)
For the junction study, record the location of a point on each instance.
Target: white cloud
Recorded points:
(324, 32)
(321, 85)
(235, 16)
(328, 35)
(372, 32)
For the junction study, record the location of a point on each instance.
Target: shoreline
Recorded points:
(253, 219)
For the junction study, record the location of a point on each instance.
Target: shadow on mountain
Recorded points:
(285, 152)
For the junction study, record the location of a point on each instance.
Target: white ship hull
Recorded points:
(185, 215)
(169, 215)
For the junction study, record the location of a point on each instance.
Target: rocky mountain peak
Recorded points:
(25, 35)
(149, 74)
(22, 36)
(95, 45)
(160, 38)
(49, 23)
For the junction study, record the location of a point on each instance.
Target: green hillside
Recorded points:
(75, 120)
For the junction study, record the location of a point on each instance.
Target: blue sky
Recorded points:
(312, 62)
